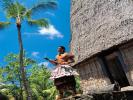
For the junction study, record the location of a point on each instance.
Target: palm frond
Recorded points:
(39, 22)
(20, 9)
(44, 5)
(35, 92)
(6, 3)
(13, 9)
(51, 92)
(50, 4)
(28, 14)
(9, 7)
(4, 24)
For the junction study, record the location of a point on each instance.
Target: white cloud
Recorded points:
(43, 63)
(51, 32)
(35, 54)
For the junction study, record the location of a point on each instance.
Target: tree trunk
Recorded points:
(21, 87)
(22, 69)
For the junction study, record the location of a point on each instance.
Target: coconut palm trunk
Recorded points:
(22, 69)
(21, 88)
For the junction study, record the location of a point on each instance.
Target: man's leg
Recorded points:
(72, 85)
(61, 93)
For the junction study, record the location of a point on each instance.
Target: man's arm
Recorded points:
(51, 61)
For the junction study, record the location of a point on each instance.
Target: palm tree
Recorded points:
(20, 13)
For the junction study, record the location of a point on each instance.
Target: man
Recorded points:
(63, 74)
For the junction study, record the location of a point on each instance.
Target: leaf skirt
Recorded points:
(62, 71)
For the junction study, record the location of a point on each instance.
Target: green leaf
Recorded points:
(39, 22)
(4, 24)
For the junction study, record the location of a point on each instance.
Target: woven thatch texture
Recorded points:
(99, 24)
(127, 53)
(93, 77)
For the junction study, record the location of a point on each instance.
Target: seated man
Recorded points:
(63, 74)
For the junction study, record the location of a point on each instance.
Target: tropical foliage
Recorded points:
(38, 76)
(41, 85)
(15, 10)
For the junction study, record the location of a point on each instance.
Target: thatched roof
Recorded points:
(98, 25)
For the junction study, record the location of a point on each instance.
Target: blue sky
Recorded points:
(38, 41)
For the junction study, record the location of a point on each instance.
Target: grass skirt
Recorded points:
(62, 71)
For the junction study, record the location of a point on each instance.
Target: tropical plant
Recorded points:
(42, 87)
(10, 74)
(21, 13)
(38, 76)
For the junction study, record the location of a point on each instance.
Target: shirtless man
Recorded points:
(63, 74)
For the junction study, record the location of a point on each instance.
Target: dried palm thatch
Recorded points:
(98, 25)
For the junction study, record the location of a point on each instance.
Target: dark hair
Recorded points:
(62, 47)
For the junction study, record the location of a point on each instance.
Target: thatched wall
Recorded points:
(92, 75)
(98, 25)
(127, 53)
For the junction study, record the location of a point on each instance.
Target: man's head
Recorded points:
(61, 49)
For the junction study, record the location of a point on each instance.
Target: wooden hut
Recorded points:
(102, 42)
